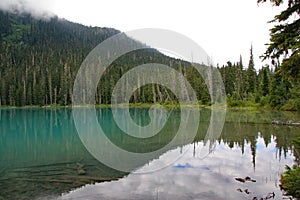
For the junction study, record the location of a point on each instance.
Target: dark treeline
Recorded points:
(39, 61)
(266, 87)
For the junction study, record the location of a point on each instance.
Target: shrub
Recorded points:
(292, 105)
(290, 181)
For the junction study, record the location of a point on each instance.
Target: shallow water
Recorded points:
(42, 156)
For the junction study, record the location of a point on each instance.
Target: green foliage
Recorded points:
(264, 85)
(284, 50)
(290, 179)
(290, 67)
(34, 54)
(39, 61)
(292, 105)
(297, 143)
(264, 100)
(275, 101)
(285, 39)
(233, 101)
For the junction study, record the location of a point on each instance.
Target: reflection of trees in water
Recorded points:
(241, 134)
(38, 127)
(32, 140)
(297, 150)
(243, 128)
(42, 155)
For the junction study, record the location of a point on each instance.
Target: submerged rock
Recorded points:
(81, 172)
(243, 180)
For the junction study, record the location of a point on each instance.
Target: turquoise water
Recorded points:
(42, 157)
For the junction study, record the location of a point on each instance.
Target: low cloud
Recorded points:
(37, 8)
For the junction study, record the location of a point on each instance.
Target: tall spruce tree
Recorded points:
(239, 78)
(251, 74)
(264, 83)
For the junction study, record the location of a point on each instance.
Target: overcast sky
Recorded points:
(223, 28)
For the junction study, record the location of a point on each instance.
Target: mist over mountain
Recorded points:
(36, 8)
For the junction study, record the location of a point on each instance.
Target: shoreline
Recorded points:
(233, 114)
(149, 105)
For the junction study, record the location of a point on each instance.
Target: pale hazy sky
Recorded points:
(223, 28)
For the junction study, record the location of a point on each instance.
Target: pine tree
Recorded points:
(251, 74)
(284, 39)
(265, 81)
(239, 79)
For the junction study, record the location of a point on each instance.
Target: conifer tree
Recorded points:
(251, 74)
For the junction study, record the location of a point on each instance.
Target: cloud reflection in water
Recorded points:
(195, 177)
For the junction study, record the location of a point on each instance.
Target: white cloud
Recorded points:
(209, 178)
(37, 8)
(225, 29)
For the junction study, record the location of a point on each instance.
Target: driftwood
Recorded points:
(45, 180)
(59, 173)
(270, 195)
(53, 178)
(100, 179)
(67, 179)
(288, 123)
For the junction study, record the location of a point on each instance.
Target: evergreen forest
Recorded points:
(39, 60)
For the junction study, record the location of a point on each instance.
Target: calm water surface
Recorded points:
(42, 157)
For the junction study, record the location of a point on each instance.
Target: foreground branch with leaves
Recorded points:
(290, 179)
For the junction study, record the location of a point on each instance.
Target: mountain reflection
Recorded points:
(41, 155)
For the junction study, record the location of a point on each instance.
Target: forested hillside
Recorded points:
(39, 60)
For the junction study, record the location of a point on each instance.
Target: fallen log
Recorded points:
(288, 123)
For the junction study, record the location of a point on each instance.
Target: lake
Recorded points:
(42, 156)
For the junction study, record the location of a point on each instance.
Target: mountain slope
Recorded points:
(38, 57)
(23, 28)
(39, 61)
